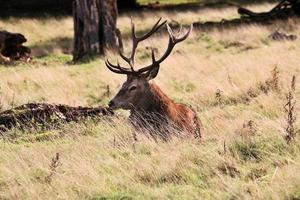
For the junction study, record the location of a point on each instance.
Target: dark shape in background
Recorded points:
(11, 47)
(29, 8)
(37, 8)
(32, 8)
(284, 10)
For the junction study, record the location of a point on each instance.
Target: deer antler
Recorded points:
(173, 40)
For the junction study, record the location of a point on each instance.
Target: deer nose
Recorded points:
(111, 104)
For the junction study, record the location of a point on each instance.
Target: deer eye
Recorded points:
(132, 88)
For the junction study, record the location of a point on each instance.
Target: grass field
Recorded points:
(221, 73)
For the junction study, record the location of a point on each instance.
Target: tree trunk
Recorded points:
(95, 29)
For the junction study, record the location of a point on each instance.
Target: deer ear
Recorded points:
(152, 73)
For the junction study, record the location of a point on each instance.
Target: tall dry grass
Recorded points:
(243, 155)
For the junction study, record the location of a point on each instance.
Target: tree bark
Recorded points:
(95, 23)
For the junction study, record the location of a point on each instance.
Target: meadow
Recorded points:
(236, 79)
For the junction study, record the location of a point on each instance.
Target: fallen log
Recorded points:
(47, 116)
(282, 11)
(12, 48)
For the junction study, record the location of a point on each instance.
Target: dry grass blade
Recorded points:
(219, 98)
(55, 163)
(275, 78)
(290, 111)
(293, 85)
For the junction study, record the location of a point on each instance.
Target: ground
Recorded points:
(225, 75)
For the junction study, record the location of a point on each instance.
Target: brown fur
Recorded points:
(183, 116)
(151, 107)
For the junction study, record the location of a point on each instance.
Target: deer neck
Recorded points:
(153, 101)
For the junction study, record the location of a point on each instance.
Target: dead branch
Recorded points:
(34, 115)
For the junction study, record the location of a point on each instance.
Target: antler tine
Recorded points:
(154, 64)
(125, 58)
(135, 41)
(172, 42)
(153, 30)
(117, 68)
(178, 39)
(134, 46)
(153, 55)
(130, 60)
(180, 29)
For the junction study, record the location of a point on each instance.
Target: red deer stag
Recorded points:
(149, 106)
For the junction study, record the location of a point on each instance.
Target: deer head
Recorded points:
(136, 86)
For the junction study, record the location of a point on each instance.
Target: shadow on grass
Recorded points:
(51, 49)
(60, 44)
(240, 22)
(202, 4)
